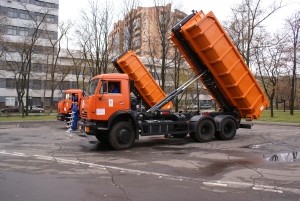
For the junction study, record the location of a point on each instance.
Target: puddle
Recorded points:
(283, 157)
(257, 146)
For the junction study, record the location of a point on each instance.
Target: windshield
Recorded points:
(66, 96)
(92, 87)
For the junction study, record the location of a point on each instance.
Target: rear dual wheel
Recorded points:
(205, 131)
(227, 130)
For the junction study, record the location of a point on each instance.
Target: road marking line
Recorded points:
(67, 161)
(220, 183)
(266, 189)
(13, 153)
(214, 184)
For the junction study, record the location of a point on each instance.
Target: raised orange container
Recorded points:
(207, 38)
(147, 87)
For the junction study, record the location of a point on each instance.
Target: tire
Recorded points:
(227, 130)
(102, 137)
(205, 131)
(179, 135)
(217, 135)
(121, 136)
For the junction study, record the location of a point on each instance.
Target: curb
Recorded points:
(277, 123)
(27, 121)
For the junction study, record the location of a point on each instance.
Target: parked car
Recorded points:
(35, 109)
(205, 106)
(10, 109)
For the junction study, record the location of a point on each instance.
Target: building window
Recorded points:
(50, 5)
(42, 34)
(137, 42)
(10, 101)
(23, 31)
(36, 101)
(10, 83)
(48, 84)
(36, 84)
(53, 35)
(11, 12)
(39, 3)
(47, 101)
(36, 67)
(24, 15)
(50, 19)
(65, 85)
(40, 17)
(11, 30)
(74, 85)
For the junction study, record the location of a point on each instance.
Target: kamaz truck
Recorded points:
(116, 119)
(64, 106)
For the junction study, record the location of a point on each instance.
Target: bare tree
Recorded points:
(54, 73)
(160, 50)
(19, 56)
(293, 25)
(133, 21)
(246, 22)
(2, 33)
(269, 53)
(178, 74)
(92, 35)
(164, 23)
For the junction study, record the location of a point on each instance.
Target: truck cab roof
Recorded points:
(111, 76)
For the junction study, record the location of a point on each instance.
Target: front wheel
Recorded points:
(102, 137)
(121, 136)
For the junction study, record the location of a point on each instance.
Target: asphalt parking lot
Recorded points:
(40, 161)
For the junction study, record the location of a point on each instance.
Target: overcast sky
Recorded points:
(70, 9)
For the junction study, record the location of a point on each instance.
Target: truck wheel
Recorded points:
(121, 136)
(179, 135)
(227, 130)
(102, 137)
(205, 131)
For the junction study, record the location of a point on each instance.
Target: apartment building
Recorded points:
(141, 31)
(144, 30)
(28, 31)
(140, 27)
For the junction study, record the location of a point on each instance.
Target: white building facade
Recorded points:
(28, 24)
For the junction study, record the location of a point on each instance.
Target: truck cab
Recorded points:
(64, 106)
(106, 95)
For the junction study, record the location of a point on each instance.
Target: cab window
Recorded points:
(103, 89)
(110, 87)
(113, 87)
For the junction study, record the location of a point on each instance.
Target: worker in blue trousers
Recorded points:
(75, 112)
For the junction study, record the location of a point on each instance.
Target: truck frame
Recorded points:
(115, 119)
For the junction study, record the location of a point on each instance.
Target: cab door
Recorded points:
(112, 97)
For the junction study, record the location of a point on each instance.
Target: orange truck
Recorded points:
(64, 106)
(114, 117)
